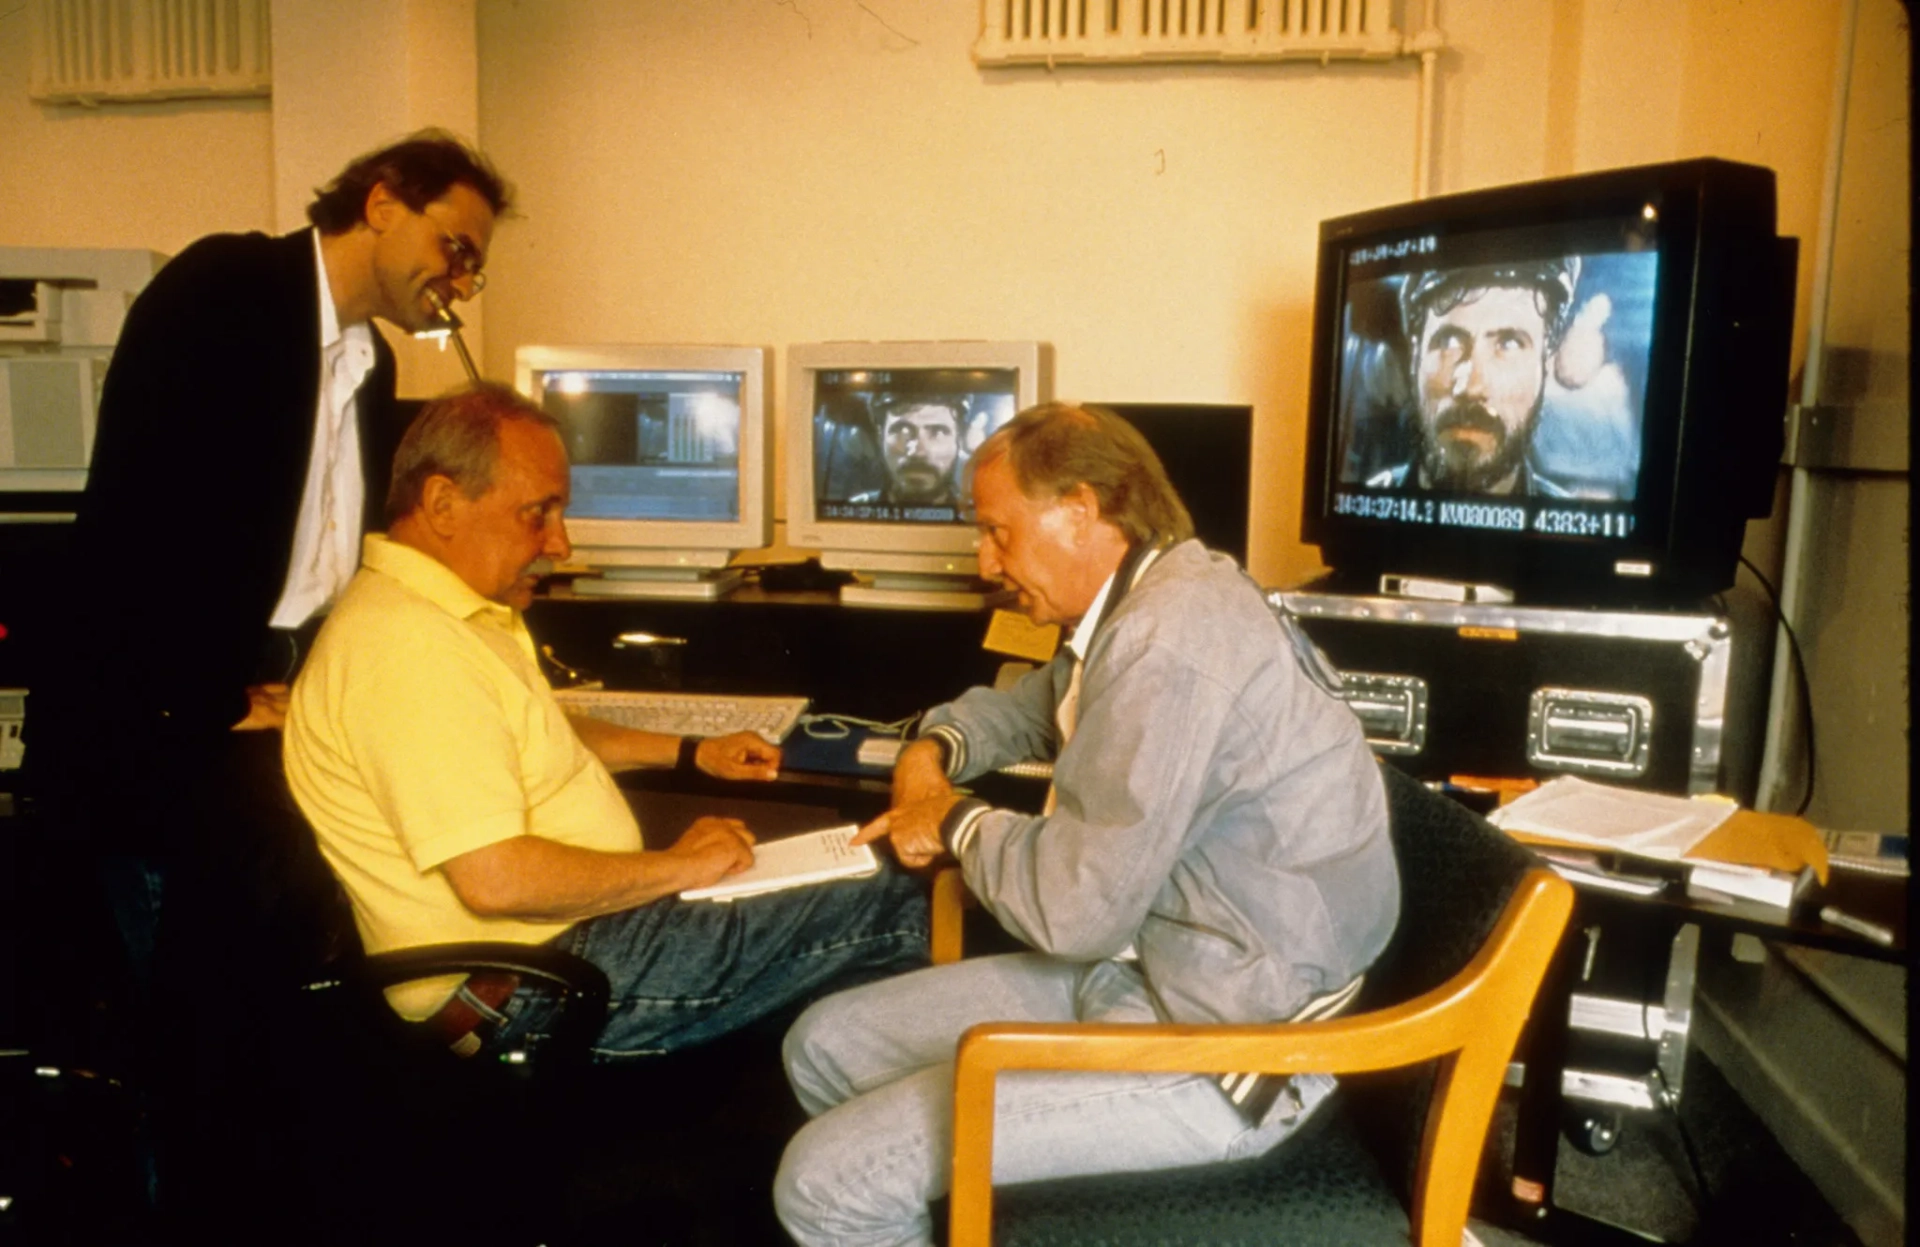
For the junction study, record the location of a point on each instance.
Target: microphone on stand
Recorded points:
(449, 326)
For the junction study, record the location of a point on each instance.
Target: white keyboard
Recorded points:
(687, 714)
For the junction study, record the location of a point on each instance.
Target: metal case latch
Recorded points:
(1392, 709)
(1571, 729)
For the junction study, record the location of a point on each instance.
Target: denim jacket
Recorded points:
(1217, 812)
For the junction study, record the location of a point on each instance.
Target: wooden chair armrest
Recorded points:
(1473, 1019)
(950, 899)
(1366, 1041)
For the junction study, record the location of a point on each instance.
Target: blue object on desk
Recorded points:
(829, 755)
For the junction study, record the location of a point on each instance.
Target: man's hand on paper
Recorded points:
(711, 849)
(913, 829)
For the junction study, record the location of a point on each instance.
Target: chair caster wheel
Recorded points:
(1595, 1133)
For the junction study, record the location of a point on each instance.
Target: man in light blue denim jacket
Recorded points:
(1214, 849)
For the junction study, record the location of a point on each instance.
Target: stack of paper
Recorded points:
(1576, 811)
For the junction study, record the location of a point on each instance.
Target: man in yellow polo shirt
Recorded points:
(456, 800)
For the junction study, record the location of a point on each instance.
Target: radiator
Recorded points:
(102, 51)
(1026, 32)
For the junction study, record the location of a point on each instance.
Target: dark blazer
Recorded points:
(186, 529)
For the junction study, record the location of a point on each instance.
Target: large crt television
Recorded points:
(670, 473)
(880, 440)
(1572, 390)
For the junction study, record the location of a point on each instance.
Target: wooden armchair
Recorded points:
(1479, 923)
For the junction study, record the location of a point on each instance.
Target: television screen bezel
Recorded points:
(1705, 208)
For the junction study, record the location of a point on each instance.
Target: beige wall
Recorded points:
(150, 175)
(743, 171)
(352, 75)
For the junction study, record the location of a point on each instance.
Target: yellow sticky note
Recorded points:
(1010, 632)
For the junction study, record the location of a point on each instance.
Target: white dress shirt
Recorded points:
(326, 539)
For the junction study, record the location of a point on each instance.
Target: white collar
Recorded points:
(1090, 622)
(357, 336)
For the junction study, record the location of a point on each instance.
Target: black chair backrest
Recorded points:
(1457, 872)
(260, 881)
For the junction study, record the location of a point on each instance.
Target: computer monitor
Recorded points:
(880, 437)
(1207, 450)
(1574, 389)
(670, 467)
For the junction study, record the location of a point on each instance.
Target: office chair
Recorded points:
(1443, 1007)
(681, 1149)
(292, 1104)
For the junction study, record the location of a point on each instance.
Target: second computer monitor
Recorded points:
(880, 438)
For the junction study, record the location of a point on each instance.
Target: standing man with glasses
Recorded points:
(250, 391)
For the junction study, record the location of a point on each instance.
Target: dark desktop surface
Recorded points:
(874, 663)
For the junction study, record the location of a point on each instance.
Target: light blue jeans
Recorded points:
(682, 973)
(874, 1067)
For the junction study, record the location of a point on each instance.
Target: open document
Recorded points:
(1577, 811)
(792, 862)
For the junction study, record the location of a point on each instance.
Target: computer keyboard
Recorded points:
(687, 714)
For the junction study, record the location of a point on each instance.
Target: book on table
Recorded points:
(1721, 880)
(793, 862)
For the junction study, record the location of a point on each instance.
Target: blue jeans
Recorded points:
(681, 973)
(874, 1066)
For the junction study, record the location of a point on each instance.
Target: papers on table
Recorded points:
(1576, 811)
(813, 857)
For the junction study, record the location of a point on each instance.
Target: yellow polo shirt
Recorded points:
(420, 729)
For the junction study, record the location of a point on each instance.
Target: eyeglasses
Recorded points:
(463, 260)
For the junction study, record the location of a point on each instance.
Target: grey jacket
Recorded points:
(1218, 812)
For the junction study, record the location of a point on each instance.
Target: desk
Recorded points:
(672, 799)
(877, 664)
(1531, 1209)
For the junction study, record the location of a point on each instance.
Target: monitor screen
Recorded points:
(879, 440)
(668, 449)
(650, 445)
(1574, 386)
(1497, 378)
(893, 445)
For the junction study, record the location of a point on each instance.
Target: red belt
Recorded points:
(459, 1023)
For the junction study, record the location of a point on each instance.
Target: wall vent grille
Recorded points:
(1049, 32)
(111, 51)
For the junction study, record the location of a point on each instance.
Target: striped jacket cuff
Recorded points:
(962, 821)
(952, 745)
